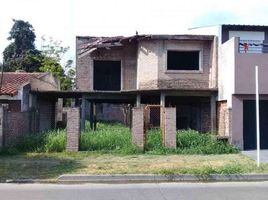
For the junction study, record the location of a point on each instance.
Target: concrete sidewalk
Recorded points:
(253, 154)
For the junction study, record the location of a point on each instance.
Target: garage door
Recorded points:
(249, 124)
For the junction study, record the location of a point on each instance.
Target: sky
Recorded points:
(64, 19)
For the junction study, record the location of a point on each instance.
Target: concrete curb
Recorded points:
(29, 181)
(141, 178)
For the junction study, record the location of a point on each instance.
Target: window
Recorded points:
(107, 75)
(183, 60)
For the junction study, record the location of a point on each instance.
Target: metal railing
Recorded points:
(252, 46)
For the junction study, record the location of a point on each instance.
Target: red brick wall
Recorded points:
(16, 124)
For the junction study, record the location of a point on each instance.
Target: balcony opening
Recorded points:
(107, 75)
(183, 60)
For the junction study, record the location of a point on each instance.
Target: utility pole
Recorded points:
(257, 114)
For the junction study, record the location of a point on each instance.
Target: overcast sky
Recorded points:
(64, 19)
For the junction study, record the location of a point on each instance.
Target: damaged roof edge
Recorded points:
(94, 43)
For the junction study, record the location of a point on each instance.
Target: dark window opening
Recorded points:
(183, 60)
(107, 75)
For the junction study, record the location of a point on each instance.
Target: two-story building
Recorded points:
(170, 70)
(240, 49)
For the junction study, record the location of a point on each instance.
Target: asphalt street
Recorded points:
(152, 191)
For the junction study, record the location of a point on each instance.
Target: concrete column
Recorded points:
(162, 99)
(170, 127)
(73, 129)
(1, 127)
(83, 114)
(228, 123)
(213, 117)
(138, 101)
(91, 114)
(138, 127)
(94, 116)
(162, 111)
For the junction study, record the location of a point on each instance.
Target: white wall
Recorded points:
(226, 69)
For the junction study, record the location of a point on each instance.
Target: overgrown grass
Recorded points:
(108, 137)
(50, 141)
(189, 142)
(116, 138)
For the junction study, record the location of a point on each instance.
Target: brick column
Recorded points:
(73, 129)
(138, 127)
(170, 127)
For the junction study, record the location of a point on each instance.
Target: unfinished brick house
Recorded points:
(21, 111)
(168, 70)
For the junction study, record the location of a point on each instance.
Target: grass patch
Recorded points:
(51, 165)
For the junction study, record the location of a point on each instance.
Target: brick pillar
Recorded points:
(170, 127)
(73, 129)
(138, 127)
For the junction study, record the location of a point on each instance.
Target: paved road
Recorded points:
(163, 191)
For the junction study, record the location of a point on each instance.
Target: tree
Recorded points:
(53, 52)
(21, 52)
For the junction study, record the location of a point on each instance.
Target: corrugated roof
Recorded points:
(13, 80)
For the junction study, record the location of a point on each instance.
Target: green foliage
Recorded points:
(52, 52)
(23, 35)
(51, 141)
(21, 53)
